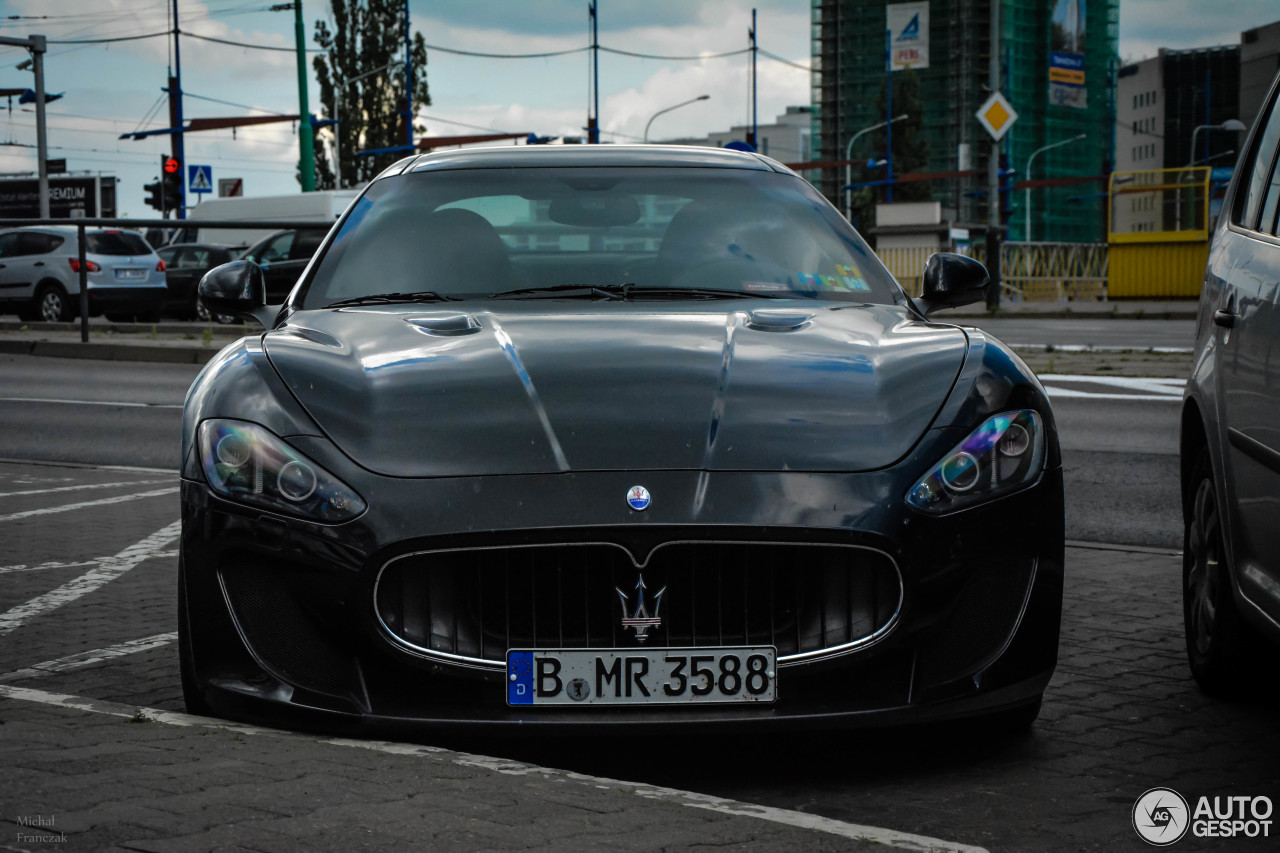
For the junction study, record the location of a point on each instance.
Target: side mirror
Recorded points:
(951, 280)
(237, 288)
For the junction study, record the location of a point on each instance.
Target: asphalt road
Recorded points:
(1120, 454)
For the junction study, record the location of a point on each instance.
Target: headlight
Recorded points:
(248, 464)
(998, 458)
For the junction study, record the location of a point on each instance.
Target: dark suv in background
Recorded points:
(1231, 430)
(283, 256)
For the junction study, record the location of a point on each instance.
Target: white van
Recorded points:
(323, 206)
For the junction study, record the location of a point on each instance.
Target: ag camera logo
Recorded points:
(1161, 817)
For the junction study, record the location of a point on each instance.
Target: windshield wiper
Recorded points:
(392, 298)
(606, 291)
(631, 291)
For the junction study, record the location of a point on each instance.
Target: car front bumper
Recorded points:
(284, 628)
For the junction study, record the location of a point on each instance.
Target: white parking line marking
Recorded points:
(56, 463)
(1141, 383)
(1053, 391)
(76, 661)
(109, 568)
(888, 837)
(91, 402)
(83, 486)
(58, 564)
(14, 516)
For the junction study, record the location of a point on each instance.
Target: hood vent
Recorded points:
(445, 325)
(778, 320)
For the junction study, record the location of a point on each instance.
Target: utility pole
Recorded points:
(37, 45)
(888, 114)
(175, 115)
(408, 77)
(306, 133)
(593, 120)
(42, 143)
(755, 127)
(993, 168)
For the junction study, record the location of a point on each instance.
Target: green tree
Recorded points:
(910, 151)
(366, 35)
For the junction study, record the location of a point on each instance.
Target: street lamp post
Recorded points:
(1026, 231)
(669, 109)
(848, 169)
(337, 130)
(1230, 124)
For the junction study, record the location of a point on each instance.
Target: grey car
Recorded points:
(40, 274)
(1230, 446)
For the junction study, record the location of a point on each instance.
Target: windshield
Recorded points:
(473, 233)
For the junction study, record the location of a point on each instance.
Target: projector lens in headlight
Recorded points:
(246, 463)
(1002, 456)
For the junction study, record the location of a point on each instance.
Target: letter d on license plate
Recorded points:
(642, 676)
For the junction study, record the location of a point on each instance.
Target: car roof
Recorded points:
(516, 156)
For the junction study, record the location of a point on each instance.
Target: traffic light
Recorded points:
(154, 195)
(172, 178)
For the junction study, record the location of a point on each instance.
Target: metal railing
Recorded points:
(1039, 272)
(1028, 271)
(169, 224)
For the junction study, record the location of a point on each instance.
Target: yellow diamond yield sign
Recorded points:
(997, 116)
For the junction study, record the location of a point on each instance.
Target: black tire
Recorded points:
(50, 304)
(119, 318)
(1220, 646)
(191, 695)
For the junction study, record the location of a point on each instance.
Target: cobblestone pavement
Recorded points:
(87, 598)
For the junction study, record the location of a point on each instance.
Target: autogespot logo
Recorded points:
(1160, 816)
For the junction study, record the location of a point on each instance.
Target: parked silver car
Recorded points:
(1231, 430)
(40, 274)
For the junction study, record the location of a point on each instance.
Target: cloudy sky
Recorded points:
(113, 88)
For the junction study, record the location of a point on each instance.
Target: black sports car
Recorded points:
(575, 437)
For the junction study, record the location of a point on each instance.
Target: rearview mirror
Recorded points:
(951, 280)
(237, 288)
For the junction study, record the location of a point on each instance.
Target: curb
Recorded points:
(111, 352)
(1189, 314)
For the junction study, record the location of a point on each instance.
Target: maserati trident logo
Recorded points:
(638, 498)
(639, 618)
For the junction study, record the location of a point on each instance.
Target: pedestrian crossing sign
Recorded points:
(200, 179)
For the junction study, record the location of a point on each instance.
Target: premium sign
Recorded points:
(1066, 57)
(908, 25)
(69, 198)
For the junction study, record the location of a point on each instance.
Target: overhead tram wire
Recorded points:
(777, 58)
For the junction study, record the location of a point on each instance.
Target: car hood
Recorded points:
(533, 386)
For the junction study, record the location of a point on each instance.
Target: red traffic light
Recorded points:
(171, 165)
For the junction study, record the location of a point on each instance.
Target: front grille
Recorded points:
(807, 600)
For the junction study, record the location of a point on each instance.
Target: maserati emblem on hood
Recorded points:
(638, 498)
(639, 619)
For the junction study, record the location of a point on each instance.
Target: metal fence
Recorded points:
(81, 224)
(1029, 271)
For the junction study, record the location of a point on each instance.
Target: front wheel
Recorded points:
(1219, 643)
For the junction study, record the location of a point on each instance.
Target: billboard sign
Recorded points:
(1066, 56)
(69, 198)
(908, 26)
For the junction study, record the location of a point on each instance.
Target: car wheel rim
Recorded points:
(1205, 575)
(202, 312)
(51, 307)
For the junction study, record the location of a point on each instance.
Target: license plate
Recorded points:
(131, 275)
(681, 676)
